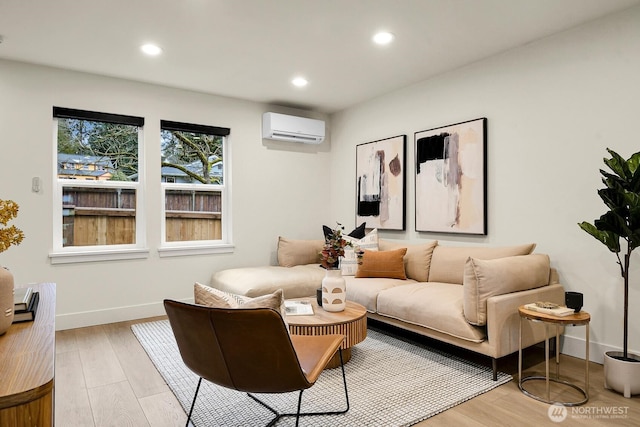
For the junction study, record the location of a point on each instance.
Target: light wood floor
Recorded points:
(104, 378)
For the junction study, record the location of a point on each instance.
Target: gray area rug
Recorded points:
(391, 383)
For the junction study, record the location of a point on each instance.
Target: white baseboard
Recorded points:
(574, 346)
(111, 315)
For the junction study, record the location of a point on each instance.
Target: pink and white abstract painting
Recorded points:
(451, 178)
(380, 183)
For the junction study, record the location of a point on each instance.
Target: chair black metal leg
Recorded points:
(299, 405)
(344, 380)
(299, 414)
(273, 411)
(194, 402)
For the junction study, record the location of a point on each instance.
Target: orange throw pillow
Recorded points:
(388, 264)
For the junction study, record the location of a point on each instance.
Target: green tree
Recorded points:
(181, 149)
(70, 136)
(116, 143)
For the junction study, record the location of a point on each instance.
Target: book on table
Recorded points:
(30, 313)
(21, 298)
(556, 310)
(298, 308)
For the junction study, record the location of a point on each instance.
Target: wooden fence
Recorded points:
(107, 216)
(182, 226)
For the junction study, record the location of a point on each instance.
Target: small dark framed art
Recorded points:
(451, 178)
(380, 183)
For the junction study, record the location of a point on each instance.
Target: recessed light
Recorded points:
(300, 82)
(151, 49)
(383, 38)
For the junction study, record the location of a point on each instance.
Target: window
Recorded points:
(194, 185)
(98, 192)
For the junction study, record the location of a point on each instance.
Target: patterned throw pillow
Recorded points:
(349, 263)
(212, 297)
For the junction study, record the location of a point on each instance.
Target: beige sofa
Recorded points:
(465, 296)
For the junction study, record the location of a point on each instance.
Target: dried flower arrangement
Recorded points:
(333, 248)
(9, 235)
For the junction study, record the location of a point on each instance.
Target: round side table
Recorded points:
(578, 319)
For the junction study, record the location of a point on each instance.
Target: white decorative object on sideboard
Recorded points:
(6, 300)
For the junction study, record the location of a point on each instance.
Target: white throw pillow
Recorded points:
(349, 263)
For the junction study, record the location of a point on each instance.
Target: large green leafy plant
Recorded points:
(622, 221)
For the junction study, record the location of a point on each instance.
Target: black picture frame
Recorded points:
(381, 183)
(451, 178)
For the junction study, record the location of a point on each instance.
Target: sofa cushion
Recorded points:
(417, 259)
(486, 278)
(298, 252)
(387, 264)
(211, 297)
(349, 262)
(437, 306)
(365, 291)
(447, 262)
(295, 282)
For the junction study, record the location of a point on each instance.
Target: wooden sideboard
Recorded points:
(27, 358)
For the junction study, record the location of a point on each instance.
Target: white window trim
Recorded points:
(77, 254)
(201, 247)
(103, 253)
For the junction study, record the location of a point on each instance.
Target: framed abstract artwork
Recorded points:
(380, 183)
(451, 178)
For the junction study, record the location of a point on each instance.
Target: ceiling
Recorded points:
(251, 49)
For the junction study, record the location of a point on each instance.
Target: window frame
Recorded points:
(61, 254)
(196, 247)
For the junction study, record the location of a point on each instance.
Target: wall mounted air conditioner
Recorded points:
(291, 128)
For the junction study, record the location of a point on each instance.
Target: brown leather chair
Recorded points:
(250, 350)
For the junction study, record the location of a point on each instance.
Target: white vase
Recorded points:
(334, 291)
(6, 300)
(621, 375)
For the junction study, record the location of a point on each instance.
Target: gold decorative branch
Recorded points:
(9, 235)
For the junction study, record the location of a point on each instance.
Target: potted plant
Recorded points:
(333, 285)
(621, 195)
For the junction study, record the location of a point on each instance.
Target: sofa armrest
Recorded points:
(503, 319)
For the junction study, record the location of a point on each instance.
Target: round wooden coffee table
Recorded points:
(352, 322)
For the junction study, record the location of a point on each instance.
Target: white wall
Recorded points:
(552, 108)
(275, 190)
